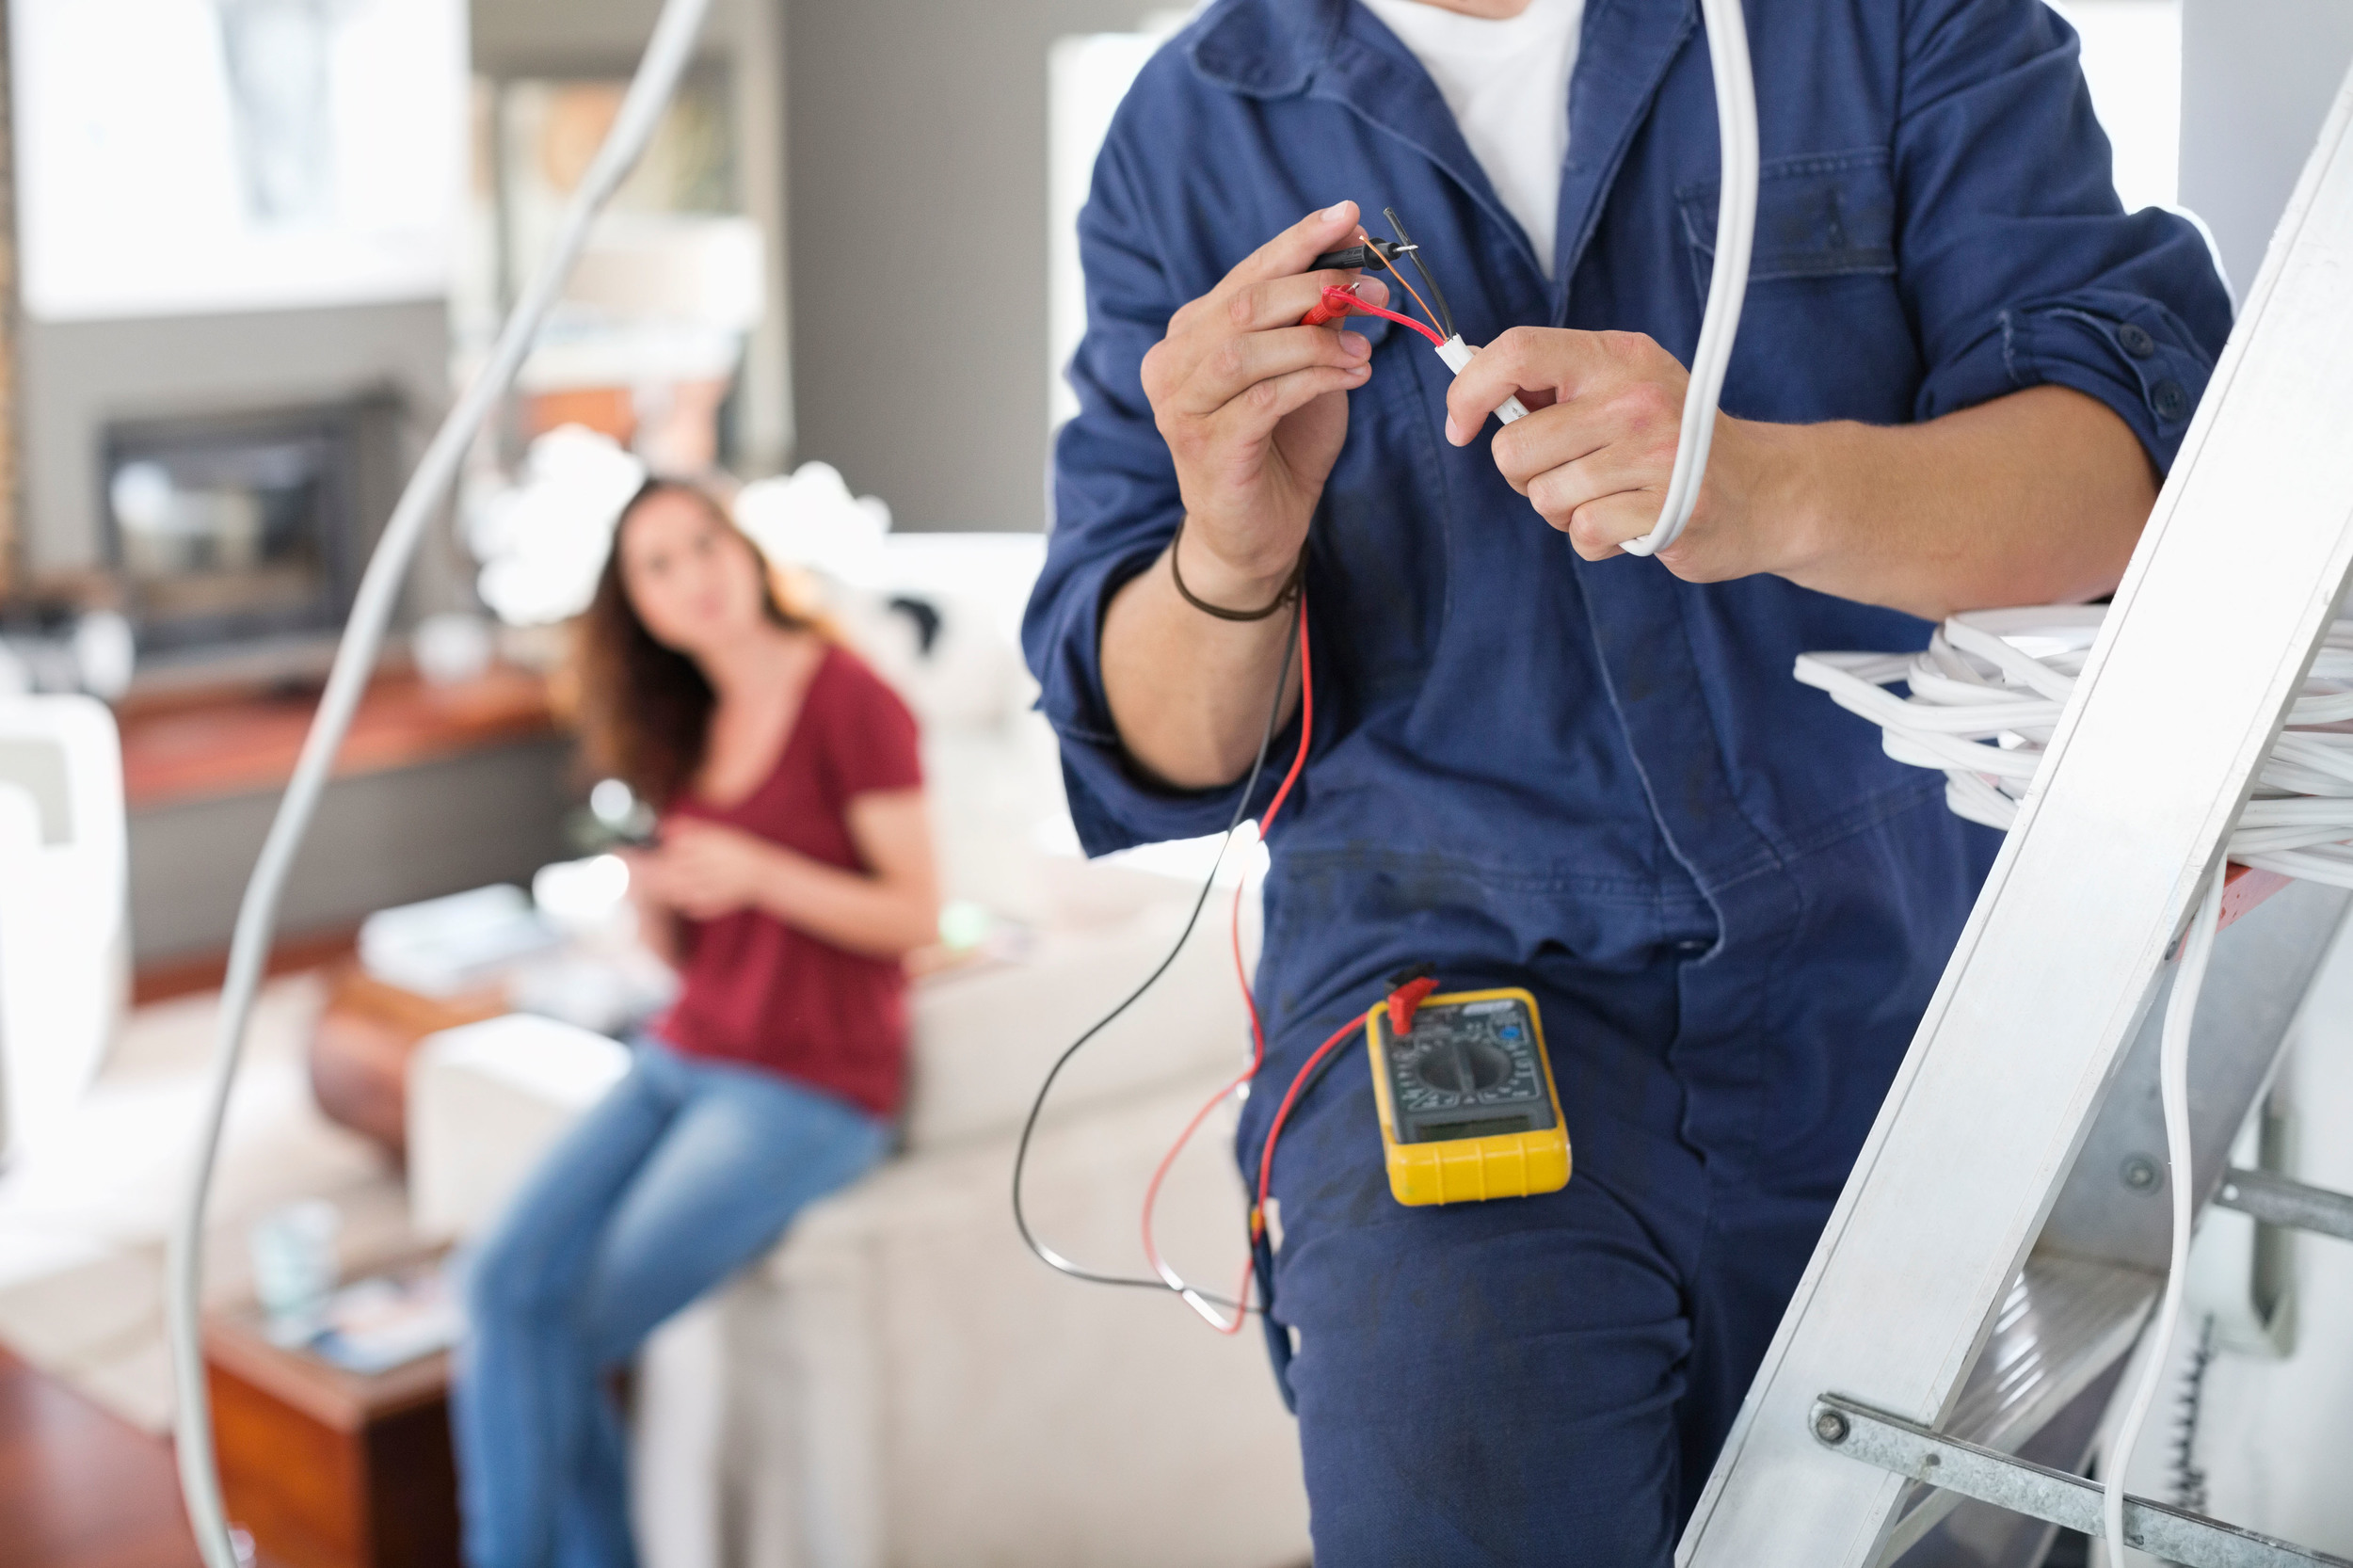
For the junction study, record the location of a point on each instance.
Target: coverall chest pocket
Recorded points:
(1823, 324)
(1819, 215)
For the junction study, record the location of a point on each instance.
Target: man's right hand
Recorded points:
(1254, 408)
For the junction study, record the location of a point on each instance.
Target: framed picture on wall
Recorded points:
(188, 156)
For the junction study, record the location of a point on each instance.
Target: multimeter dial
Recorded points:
(1467, 1070)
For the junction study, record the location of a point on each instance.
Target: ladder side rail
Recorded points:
(2235, 581)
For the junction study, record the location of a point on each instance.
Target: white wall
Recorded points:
(1087, 77)
(2257, 78)
(2131, 58)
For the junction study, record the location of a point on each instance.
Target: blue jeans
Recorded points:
(688, 1170)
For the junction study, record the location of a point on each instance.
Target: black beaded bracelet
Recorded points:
(1290, 592)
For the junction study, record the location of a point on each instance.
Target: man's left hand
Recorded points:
(1597, 448)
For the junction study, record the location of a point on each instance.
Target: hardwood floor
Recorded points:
(79, 1487)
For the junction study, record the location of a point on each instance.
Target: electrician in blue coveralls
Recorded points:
(1540, 762)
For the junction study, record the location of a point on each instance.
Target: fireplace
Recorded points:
(231, 530)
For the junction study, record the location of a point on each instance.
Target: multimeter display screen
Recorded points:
(1466, 1070)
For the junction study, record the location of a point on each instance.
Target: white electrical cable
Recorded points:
(1985, 697)
(1456, 353)
(667, 53)
(2189, 976)
(1727, 280)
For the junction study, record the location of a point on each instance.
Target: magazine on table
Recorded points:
(373, 1325)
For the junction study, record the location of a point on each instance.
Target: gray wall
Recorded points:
(2257, 79)
(917, 133)
(532, 38)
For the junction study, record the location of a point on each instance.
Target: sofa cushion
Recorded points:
(912, 1387)
(985, 1037)
(485, 1101)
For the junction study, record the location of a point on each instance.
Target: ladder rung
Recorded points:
(2064, 1323)
(1894, 1444)
(2276, 1200)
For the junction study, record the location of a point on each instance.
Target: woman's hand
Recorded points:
(703, 869)
(886, 910)
(1595, 452)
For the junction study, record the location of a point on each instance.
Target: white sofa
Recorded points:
(64, 942)
(901, 1382)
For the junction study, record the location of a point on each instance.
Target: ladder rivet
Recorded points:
(1829, 1427)
(2141, 1172)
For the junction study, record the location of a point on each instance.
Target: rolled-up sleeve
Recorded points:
(1115, 507)
(2019, 266)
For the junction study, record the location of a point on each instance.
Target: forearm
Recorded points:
(657, 928)
(2038, 497)
(850, 910)
(1253, 406)
(1188, 691)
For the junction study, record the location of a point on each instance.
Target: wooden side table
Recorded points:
(325, 1467)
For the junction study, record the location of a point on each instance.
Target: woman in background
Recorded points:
(793, 873)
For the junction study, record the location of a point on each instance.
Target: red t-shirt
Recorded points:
(755, 989)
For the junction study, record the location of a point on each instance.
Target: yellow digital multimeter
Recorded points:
(1469, 1109)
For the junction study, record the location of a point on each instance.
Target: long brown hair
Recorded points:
(645, 708)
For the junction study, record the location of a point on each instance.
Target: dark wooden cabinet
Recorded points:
(325, 1467)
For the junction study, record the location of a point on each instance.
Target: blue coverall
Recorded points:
(1595, 780)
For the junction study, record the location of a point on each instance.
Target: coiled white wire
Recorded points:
(667, 53)
(1727, 279)
(1986, 696)
(1984, 699)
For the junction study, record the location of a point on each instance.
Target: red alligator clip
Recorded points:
(1337, 302)
(1406, 1000)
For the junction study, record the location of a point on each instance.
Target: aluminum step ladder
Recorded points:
(1970, 1306)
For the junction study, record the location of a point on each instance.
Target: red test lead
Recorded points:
(1338, 302)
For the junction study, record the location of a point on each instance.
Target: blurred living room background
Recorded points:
(252, 247)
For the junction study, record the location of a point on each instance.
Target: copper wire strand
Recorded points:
(1366, 240)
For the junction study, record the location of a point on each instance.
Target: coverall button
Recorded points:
(2169, 399)
(2136, 340)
